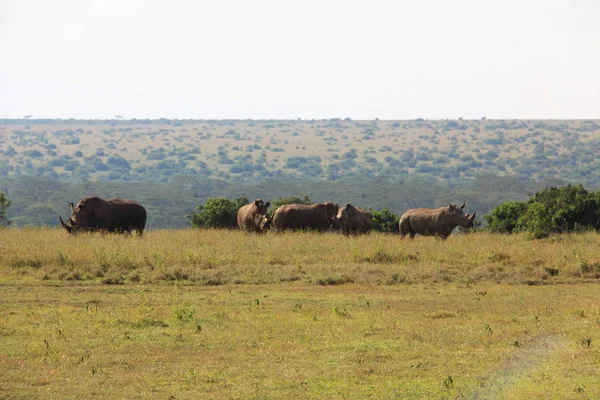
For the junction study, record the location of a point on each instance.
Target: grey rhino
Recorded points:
(434, 222)
(253, 216)
(299, 216)
(351, 219)
(94, 214)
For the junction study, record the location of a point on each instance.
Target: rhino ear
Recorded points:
(451, 206)
(462, 206)
(267, 204)
(71, 206)
(257, 202)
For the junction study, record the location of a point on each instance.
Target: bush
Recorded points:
(4, 204)
(291, 200)
(505, 218)
(217, 213)
(385, 221)
(118, 161)
(552, 210)
(33, 153)
(563, 209)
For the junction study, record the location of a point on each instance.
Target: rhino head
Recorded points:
(261, 206)
(78, 219)
(331, 209)
(265, 223)
(336, 223)
(459, 216)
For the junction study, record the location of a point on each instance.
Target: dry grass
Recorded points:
(219, 314)
(225, 257)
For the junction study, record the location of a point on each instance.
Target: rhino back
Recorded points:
(427, 221)
(127, 214)
(300, 216)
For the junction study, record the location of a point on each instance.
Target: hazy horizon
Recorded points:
(95, 59)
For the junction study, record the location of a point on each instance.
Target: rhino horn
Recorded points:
(71, 206)
(472, 218)
(67, 227)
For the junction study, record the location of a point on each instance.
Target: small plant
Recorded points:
(185, 314)
(448, 382)
(551, 271)
(341, 311)
(64, 259)
(332, 281)
(497, 256)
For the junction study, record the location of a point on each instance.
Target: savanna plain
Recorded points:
(179, 314)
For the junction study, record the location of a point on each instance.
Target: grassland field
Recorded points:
(221, 314)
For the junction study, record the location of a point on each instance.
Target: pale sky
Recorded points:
(300, 59)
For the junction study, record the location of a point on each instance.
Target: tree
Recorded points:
(551, 210)
(275, 204)
(217, 213)
(4, 204)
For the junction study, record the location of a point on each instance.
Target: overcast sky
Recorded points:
(300, 59)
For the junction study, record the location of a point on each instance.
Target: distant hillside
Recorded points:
(171, 166)
(451, 152)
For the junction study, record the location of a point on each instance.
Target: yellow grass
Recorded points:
(217, 257)
(221, 314)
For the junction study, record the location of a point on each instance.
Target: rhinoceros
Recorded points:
(299, 216)
(253, 216)
(94, 214)
(351, 219)
(434, 222)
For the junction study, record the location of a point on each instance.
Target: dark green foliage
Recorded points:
(4, 204)
(551, 210)
(99, 165)
(72, 140)
(217, 213)
(10, 151)
(385, 221)
(275, 204)
(118, 161)
(505, 217)
(33, 153)
(565, 209)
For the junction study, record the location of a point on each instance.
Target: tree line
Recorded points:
(569, 208)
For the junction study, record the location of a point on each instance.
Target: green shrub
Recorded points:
(275, 204)
(217, 213)
(551, 210)
(505, 217)
(385, 221)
